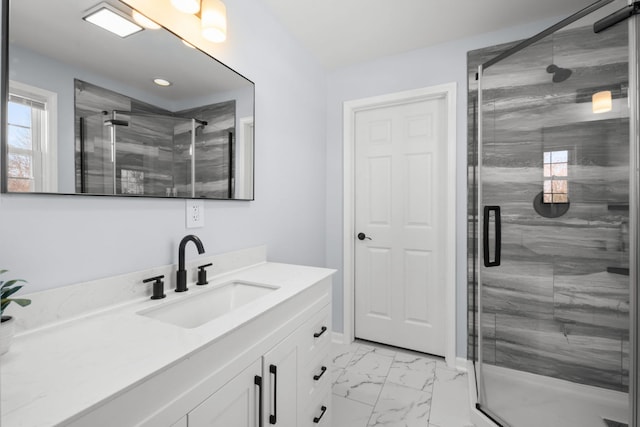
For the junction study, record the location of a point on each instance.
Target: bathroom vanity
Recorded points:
(263, 361)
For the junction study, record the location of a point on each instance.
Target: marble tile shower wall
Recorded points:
(557, 305)
(154, 148)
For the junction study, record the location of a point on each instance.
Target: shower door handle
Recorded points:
(498, 236)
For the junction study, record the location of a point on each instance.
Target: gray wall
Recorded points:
(421, 68)
(58, 240)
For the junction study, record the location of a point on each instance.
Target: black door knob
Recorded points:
(363, 236)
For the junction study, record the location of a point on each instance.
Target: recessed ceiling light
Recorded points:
(144, 21)
(111, 19)
(162, 82)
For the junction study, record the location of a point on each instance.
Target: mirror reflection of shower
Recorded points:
(135, 148)
(559, 74)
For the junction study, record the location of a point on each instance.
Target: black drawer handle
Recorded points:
(257, 380)
(273, 418)
(322, 371)
(322, 331)
(317, 419)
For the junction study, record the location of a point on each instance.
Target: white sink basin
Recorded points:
(203, 307)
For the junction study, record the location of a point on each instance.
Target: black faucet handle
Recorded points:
(202, 274)
(158, 286)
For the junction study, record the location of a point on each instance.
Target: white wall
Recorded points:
(416, 69)
(56, 240)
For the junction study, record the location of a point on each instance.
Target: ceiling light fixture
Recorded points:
(113, 20)
(162, 82)
(601, 102)
(212, 14)
(144, 21)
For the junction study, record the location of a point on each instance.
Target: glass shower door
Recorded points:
(553, 205)
(94, 156)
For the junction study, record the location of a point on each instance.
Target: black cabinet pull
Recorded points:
(322, 371)
(322, 331)
(498, 236)
(273, 418)
(317, 419)
(257, 380)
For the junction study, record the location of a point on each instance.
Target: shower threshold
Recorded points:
(523, 399)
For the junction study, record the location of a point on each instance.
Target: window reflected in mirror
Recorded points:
(556, 173)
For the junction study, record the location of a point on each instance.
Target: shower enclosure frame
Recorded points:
(634, 205)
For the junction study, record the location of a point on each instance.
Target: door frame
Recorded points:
(447, 92)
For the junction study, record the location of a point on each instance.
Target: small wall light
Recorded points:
(212, 14)
(601, 102)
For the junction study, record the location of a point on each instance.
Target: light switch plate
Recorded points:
(195, 213)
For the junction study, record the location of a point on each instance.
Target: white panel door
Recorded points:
(400, 169)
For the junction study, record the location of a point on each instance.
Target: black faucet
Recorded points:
(181, 284)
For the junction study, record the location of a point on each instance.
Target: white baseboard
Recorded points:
(337, 338)
(461, 364)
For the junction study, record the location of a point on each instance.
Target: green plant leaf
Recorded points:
(22, 302)
(6, 293)
(2, 271)
(10, 283)
(4, 304)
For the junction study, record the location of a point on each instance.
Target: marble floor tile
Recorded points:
(450, 401)
(361, 387)
(336, 372)
(342, 353)
(349, 413)
(400, 406)
(375, 385)
(412, 371)
(379, 349)
(370, 361)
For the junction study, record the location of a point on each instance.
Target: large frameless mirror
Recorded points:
(139, 113)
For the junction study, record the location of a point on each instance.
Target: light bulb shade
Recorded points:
(214, 20)
(187, 6)
(601, 102)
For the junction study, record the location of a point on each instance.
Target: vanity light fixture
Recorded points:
(601, 102)
(162, 82)
(212, 14)
(144, 21)
(187, 6)
(214, 20)
(113, 20)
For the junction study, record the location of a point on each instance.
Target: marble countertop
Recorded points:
(54, 372)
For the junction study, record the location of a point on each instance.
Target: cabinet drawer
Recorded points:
(318, 413)
(315, 333)
(313, 378)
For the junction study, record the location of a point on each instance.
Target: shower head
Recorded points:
(559, 74)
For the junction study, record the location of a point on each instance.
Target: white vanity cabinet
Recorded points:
(292, 378)
(280, 368)
(235, 404)
(119, 367)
